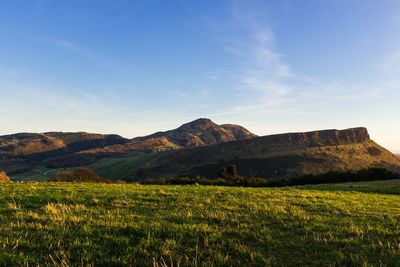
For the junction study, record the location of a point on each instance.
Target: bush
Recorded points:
(229, 177)
(78, 175)
(370, 174)
(3, 177)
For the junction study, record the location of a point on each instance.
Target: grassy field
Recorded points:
(135, 225)
(384, 187)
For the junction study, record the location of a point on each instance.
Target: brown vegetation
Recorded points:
(80, 175)
(3, 177)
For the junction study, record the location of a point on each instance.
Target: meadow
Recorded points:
(82, 224)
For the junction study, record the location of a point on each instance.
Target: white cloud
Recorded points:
(266, 81)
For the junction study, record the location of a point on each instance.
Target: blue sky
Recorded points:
(135, 67)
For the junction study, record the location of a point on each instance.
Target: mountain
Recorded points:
(200, 147)
(34, 143)
(24, 152)
(202, 132)
(275, 156)
(199, 132)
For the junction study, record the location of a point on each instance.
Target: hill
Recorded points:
(24, 153)
(199, 132)
(135, 225)
(202, 132)
(33, 143)
(200, 147)
(276, 156)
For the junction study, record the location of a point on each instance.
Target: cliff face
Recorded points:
(315, 138)
(279, 155)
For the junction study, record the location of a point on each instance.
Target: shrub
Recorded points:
(3, 177)
(231, 178)
(78, 175)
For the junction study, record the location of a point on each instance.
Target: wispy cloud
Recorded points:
(79, 51)
(265, 80)
(262, 67)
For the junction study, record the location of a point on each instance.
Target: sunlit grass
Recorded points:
(113, 225)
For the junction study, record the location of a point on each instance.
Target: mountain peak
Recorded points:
(201, 132)
(201, 123)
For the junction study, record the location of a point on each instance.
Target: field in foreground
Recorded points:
(135, 225)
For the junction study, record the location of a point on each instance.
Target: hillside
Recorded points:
(202, 132)
(276, 156)
(25, 153)
(200, 147)
(23, 144)
(199, 132)
(22, 152)
(135, 225)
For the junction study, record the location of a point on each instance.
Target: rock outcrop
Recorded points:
(276, 156)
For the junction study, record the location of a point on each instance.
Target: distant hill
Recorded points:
(24, 152)
(200, 147)
(199, 132)
(202, 132)
(276, 156)
(34, 143)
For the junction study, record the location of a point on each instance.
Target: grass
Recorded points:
(60, 224)
(37, 174)
(119, 167)
(385, 187)
(113, 168)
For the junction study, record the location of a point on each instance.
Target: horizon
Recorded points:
(146, 66)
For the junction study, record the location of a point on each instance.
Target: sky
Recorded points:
(133, 67)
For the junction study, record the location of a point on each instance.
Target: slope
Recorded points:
(276, 156)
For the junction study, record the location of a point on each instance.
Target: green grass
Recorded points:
(112, 168)
(385, 187)
(36, 174)
(51, 224)
(117, 168)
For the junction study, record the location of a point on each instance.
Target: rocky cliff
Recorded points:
(279, 155)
